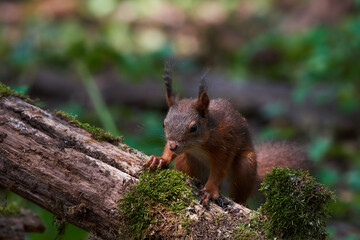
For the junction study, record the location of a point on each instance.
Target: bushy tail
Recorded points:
(279, 154)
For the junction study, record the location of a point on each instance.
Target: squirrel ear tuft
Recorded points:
(202, 104)
(203, 101)
(170, 99)
(203, 86)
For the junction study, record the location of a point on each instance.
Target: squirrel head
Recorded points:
(186, 122)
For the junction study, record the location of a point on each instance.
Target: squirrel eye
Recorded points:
(193, 128)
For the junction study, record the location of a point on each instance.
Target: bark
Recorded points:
(64, 170)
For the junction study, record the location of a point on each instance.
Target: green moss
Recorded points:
(161, 192)
(7, 91)
(97, 133)
(250, 229)
(296, 205)
(9, 210)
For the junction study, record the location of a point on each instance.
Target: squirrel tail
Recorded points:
(279, 154)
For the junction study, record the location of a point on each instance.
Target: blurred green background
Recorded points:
(296, 62)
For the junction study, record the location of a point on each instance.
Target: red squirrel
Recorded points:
(210, 140)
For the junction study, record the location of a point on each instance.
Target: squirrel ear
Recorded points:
(202, 104)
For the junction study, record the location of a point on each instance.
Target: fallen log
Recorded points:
(61, 168)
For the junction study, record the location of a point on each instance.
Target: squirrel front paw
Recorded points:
(208, 193)
(159, 161)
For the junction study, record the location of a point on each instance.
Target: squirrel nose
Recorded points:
(173, 145)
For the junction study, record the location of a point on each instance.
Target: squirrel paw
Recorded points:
(154, 160)
(208, 194)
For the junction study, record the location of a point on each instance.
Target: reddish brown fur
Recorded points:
(279, 154)
(243, 177)
(222, 146)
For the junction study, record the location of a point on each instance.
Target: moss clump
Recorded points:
(9, 210)
(97, 133)
(160, 192)
(7, 91)
(296, 205)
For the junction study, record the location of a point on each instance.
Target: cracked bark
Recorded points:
(63, 169)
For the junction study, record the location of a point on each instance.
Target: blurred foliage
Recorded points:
(51, 231)
(244, 39)
(9, 210)
(319, 55)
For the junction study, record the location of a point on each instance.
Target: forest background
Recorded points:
(290, 67)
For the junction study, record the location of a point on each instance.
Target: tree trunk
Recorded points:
(63, 169)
